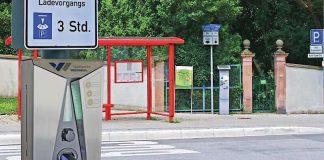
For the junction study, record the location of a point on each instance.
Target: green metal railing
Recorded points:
(201, 95)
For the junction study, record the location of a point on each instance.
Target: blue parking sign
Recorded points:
(42, 26)
(316, 36)
(211, 27)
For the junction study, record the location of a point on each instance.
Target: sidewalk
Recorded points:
(136, 127)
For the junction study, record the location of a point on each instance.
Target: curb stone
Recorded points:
(208, 133)
(10, 139)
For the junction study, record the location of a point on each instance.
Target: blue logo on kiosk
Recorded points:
(42, 26)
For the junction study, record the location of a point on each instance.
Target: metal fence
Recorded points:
(201, 95)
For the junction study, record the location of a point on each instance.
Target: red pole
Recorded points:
(171, 83)
(35, 54)
(19, 82)
(149, 82)
(109, 105)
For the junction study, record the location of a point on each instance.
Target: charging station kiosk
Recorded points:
(224, 89)
(61, 109)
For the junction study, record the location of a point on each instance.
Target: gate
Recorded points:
(264, 93)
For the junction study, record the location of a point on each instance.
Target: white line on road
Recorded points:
(109, 148)
(147, 153)
(113, 149)
(13, 158)
(128, 143)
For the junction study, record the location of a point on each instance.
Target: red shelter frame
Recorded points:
(126, 41)
(148, 43)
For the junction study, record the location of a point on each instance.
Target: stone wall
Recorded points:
(8, 77)
(304, 89)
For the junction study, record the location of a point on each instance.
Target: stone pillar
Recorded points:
(247, 59)
(159, 86)
(280, 77)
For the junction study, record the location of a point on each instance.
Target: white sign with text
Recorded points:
(61, 24)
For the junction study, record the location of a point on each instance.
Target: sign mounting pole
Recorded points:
(211, 38)
(211, 80)
(191, 98)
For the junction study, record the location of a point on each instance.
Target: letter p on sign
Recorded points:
(316, 36)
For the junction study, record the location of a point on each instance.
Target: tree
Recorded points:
(5, 21)
(263, 22)
(313, 8)
(181, 18)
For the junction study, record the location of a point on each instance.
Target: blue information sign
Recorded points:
(210, 34)
(211, 27)
(316, 36)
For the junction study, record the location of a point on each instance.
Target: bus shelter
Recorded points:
(109, 42)
(148, 43)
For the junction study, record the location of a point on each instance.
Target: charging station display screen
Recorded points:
(76, 95)
(77, 103)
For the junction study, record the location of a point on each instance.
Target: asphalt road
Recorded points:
(301, 147)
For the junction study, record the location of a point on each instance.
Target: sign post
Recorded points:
(211, 37)
(184, 80)
(61, 24)
(316, 47)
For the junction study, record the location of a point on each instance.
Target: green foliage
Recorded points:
(263, 22)
(5, 21)
(155, 119)
(182, 18)
(8, 105)
(125, 18)
(176, 120)
(99, 53)
(264, 93)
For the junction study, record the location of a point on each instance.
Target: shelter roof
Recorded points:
(139, 41)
